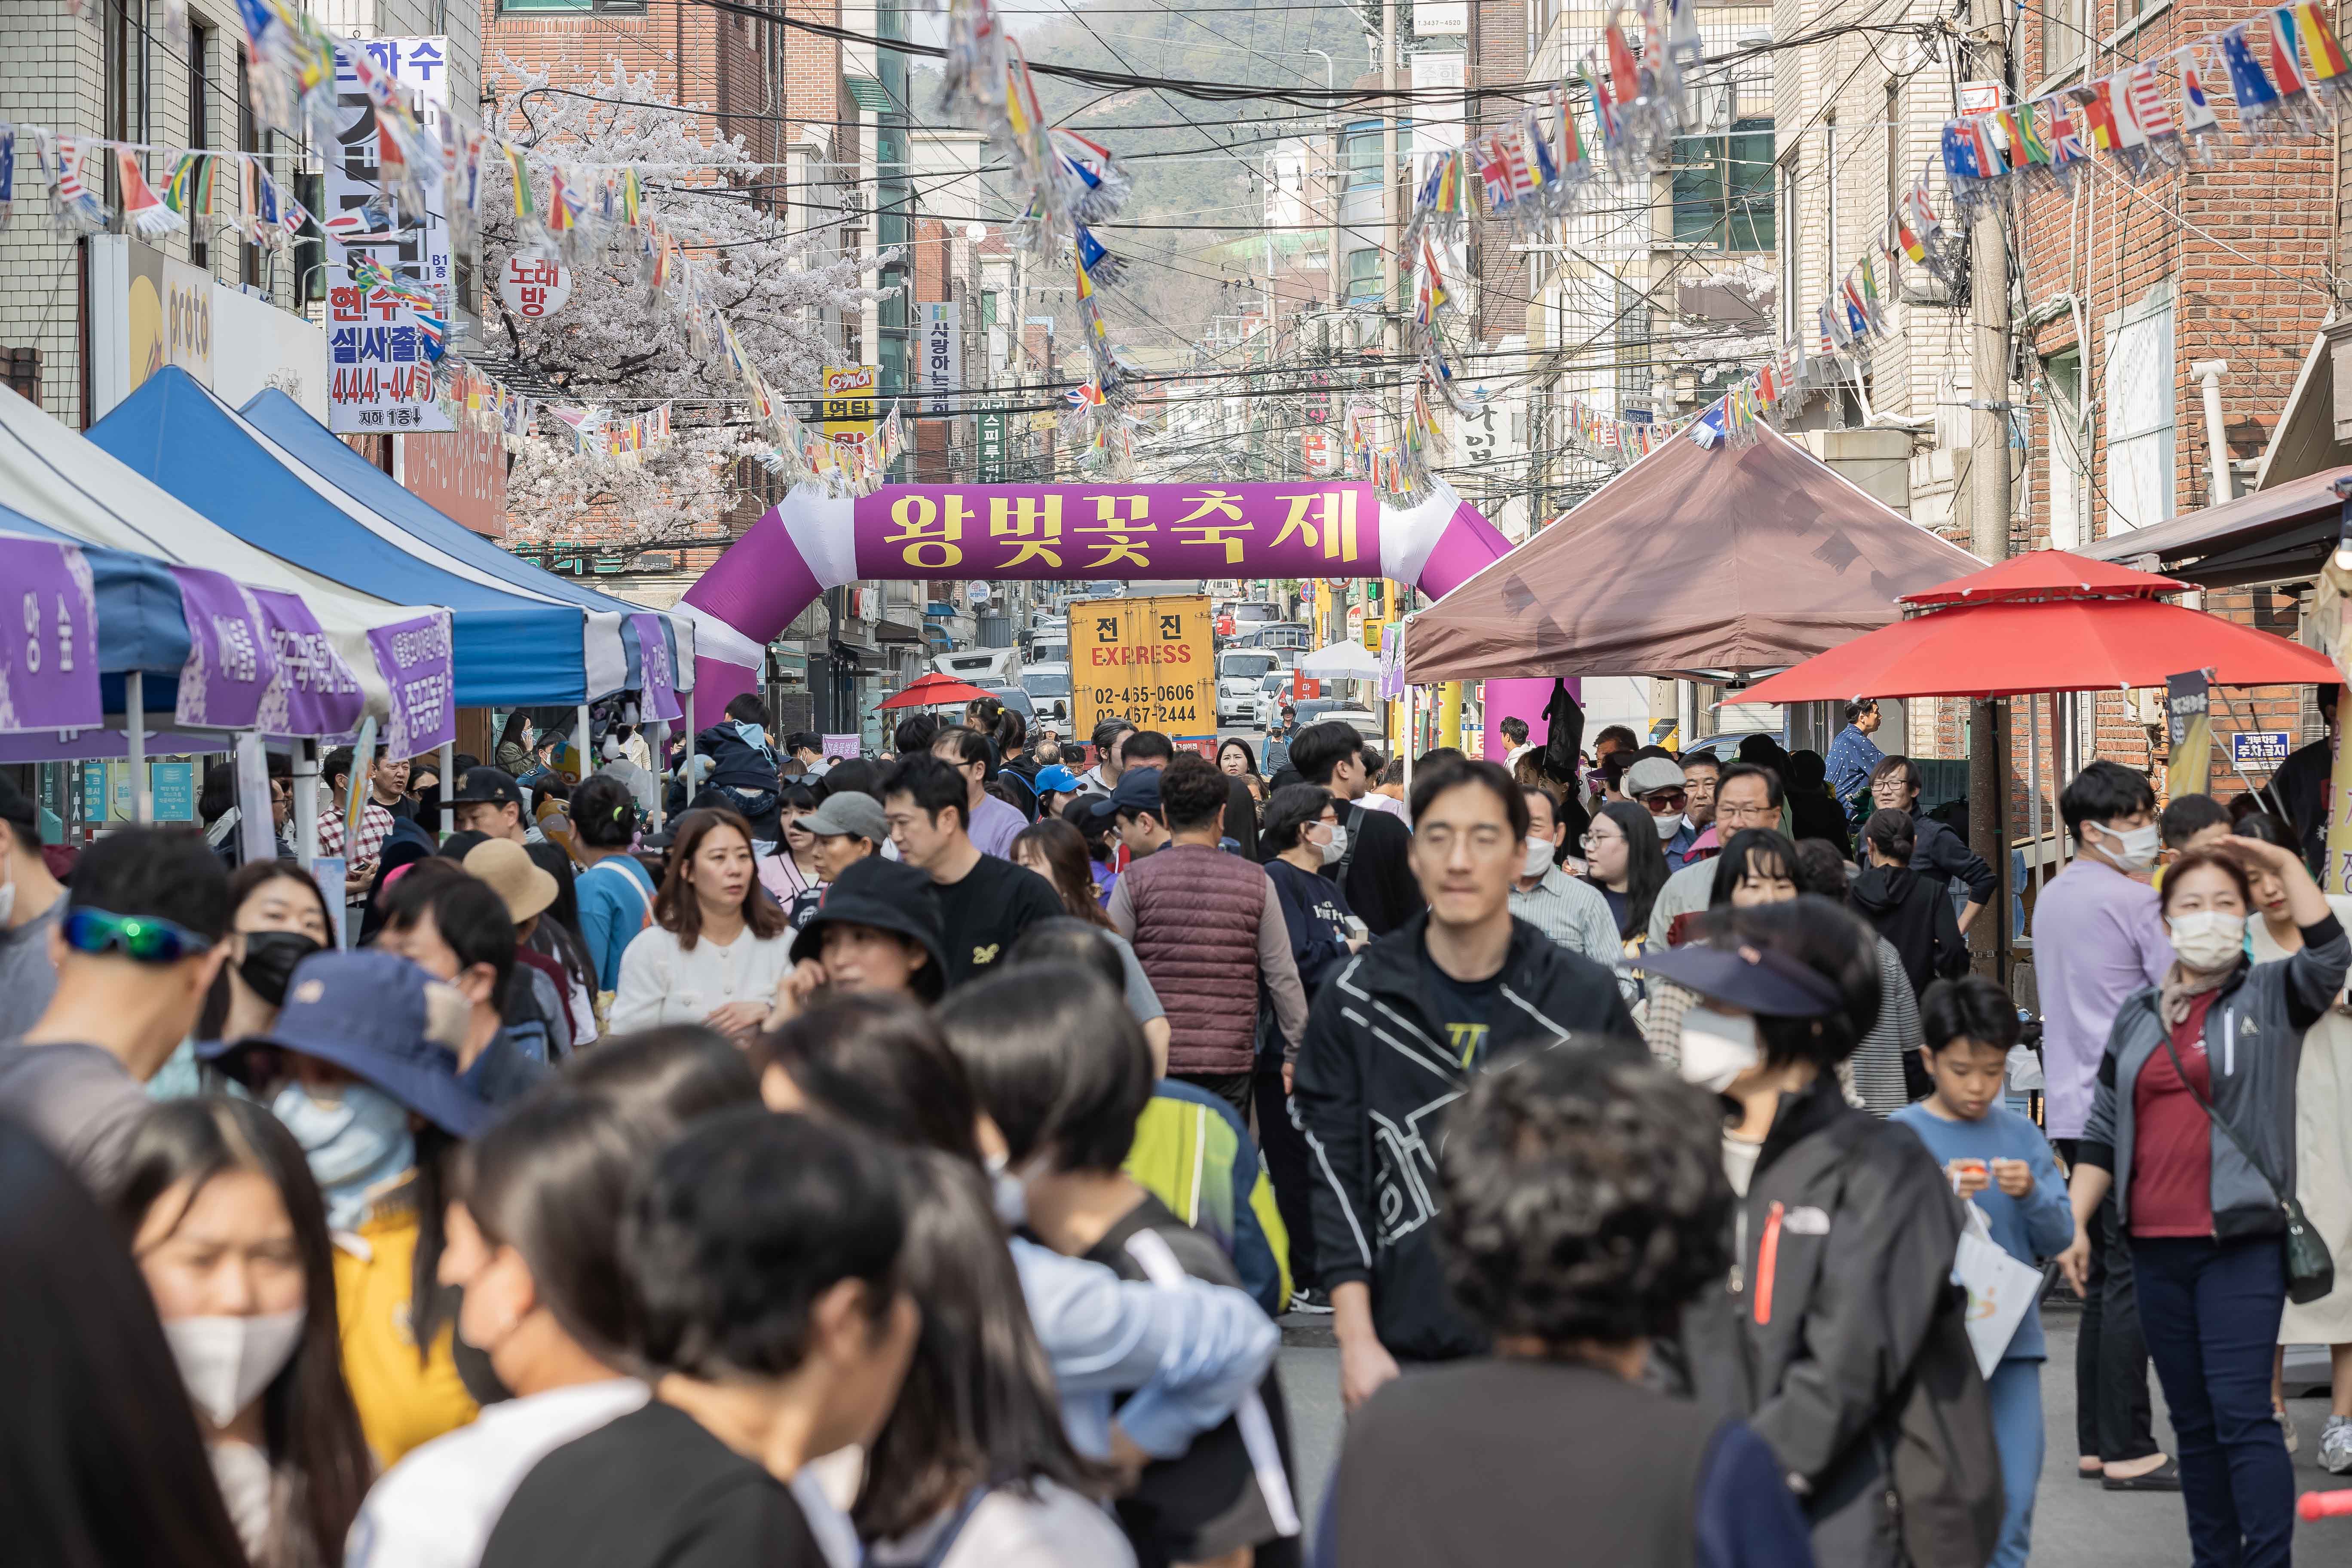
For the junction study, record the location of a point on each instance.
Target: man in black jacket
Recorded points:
(1373, 868)
(1393, 1039)
(1941, 855)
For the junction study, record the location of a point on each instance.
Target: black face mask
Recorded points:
(269, 960)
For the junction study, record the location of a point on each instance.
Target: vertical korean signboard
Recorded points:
(379, 359)
(991, 421)
(848, 410)
(942, 328)
(1149, 661)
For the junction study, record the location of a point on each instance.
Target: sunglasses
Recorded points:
(146, 937)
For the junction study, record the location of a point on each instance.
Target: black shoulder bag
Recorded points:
(2310, 1271)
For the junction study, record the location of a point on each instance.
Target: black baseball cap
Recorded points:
(1759, 978)
(1138, 791)
(495, 785)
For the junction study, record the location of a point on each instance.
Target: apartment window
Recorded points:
(200, 129)
(248, 140)
(2139, 403)
(1723, 188)
(2065, 33)
(2070, 517)
(583, 7)
(987, 306)
(1632, 349)
(1790, 285)
(1363, 153)
(1364, 276)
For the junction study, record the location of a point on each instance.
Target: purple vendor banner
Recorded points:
(1301, 530)
(231, 661)
(415, 658)
(48, 649)
(657, 683)
(314, 692)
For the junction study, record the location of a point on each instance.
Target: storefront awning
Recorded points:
(514, 648)
(2273, 535)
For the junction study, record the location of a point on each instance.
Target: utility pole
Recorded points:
(1389, 247)
(1334, 174)
(1989, 495)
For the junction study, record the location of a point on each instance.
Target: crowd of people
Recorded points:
(903, 1161)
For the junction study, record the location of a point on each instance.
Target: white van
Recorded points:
(980, 665)
(1241, 672)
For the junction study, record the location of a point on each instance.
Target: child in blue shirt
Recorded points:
(1999, 1161)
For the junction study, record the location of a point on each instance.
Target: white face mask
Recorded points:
(1717, 1047)
(1667, 827)
(2130, 848)
(1336, 848)
(1538, 858)
(227, 1362)
(2208, 939)
(1010, 1195)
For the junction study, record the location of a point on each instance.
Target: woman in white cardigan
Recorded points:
(719, 946)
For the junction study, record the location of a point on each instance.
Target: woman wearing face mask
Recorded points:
(1303, 835)
(221, 1213)
(277, 917)
(1623, 860)
(2323, 1156)
(513, 751)
(719, 946)
(534, 1242)
(360, 1066)
(1839, 1305)
(105, 1461)
(2193, 1128)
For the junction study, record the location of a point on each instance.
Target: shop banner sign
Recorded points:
(415, 658)
(656, 681)
(381, 347)
(2188, 725)
(313, 692)
(48, 641)
(1117, 531)
(231, 660)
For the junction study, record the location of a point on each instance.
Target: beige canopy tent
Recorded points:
(1698, 562)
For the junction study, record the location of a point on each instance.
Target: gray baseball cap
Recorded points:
(851, 812)
(1650, 774)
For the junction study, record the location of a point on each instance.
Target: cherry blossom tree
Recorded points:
(614, 348)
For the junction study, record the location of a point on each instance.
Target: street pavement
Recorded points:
(2076, 1524)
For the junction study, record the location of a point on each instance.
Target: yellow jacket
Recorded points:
(404, 1400)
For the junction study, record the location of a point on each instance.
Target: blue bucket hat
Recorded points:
(367, 1013)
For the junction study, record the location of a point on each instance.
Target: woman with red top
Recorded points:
(2192, 1127)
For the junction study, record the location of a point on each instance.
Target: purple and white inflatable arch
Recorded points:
(809, 541)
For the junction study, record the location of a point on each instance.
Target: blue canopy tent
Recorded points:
(324, 454)
(513, 647)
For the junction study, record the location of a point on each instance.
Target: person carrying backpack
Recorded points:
(1839, 1334)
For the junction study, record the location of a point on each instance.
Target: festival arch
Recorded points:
(1088, 533)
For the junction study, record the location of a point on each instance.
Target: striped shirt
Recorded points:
(1573, 914)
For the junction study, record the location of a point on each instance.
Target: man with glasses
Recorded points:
(135, 953)
(1392, 1039)
(1938, 853)
(1746, 796)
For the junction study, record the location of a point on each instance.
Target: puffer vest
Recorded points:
(1196, 918)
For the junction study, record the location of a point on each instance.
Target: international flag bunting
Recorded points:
(523, 205)
(143, 212)
(193, 189)
(632, 198)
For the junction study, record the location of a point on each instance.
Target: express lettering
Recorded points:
(1182, 653)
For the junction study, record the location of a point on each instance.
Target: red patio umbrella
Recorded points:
(931, 689)
(2044, 575)
(2066, 645)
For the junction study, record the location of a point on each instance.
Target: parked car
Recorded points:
(1239, 674)
(1288, 636)
(1362, 719)
(1048, 687)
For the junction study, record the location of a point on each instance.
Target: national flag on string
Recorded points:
(524, 205)
(632, 197)
(1495, 173)
(2144, 95)
(2197, 114)
(2285, 70)
(1624, 76)
(2033, 147)
(2097, 115)
(1906, 232)
(2065, 133)
(2319, 42)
